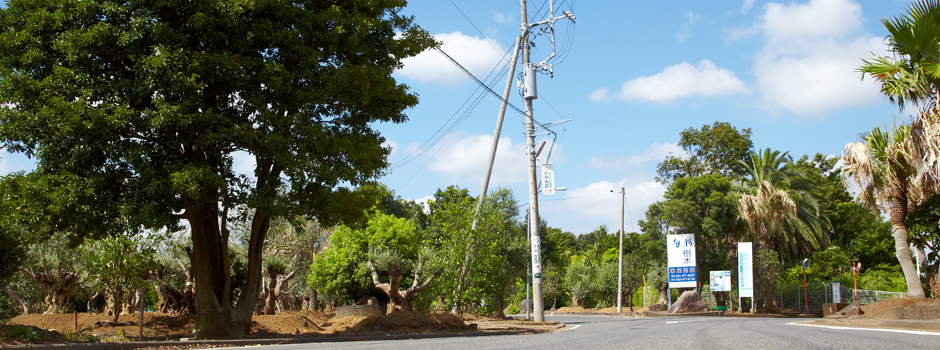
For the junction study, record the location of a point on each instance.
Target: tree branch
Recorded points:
(375, 278)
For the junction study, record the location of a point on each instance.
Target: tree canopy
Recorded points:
(136, 112)
(713, 149)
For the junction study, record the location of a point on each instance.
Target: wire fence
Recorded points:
(795, 296)
(792, 296)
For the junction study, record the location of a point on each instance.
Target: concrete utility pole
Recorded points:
(623, 199)
(499, 128)
(530, 93)
(537, 305)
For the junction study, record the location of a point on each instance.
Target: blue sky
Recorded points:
(632, 75)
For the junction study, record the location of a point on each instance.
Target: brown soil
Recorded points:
(884, 310)
(574, 309)
(609, 310)
(286, 324)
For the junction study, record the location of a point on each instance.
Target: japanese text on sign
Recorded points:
(680, 251)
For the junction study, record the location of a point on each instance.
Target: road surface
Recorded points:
(605, 332)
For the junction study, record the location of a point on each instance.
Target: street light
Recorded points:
(805, 294)
(855, 270)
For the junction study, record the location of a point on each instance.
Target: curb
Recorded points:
(273, 341)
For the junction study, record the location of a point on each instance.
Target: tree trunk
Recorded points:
(899, 230)
(314, 303)
(23, 304)
(216, 317)
(500, 305)
(397, 299)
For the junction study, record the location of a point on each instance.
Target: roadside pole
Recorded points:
(623, 199)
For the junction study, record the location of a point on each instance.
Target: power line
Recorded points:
(475, 26)
(478, 81)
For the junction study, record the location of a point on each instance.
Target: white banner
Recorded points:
(548, 180)
(536, 258)
(720, 281)
(680, 256)
(745, 271)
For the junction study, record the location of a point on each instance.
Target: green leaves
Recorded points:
(714, 149)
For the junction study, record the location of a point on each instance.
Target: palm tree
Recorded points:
(883, 168)
(912, 73)
(781, 212)
(779, 207)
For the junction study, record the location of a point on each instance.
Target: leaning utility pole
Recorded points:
(499, 128)
(530, 93)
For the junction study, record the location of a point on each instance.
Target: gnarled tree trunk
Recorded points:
(276, 285)
(58, 285)
(397, 298)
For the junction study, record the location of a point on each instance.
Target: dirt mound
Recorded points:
(613, 310)
(884, 310)
(574, 309)
(291, 322)
(155, 324)
(286, 324)
(405, 321)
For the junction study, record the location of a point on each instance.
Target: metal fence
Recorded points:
(792, 297)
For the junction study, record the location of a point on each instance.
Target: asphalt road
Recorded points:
(604, 332)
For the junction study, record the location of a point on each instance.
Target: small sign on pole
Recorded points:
(548, 180)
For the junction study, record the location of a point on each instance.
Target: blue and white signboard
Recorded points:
(720, 281)
(680, 251)
(745, 271)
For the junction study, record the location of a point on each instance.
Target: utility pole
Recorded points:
(537, 305)
(499, 128)
(623, 198)
(530, 93)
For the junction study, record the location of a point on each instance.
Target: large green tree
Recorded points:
(713, 149)
(137, 110)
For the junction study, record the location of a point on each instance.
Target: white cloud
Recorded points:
(504, 18)
(618, 164)
(684, 80)
(807, 65)
(476, 54)
(587, 207)
(747, 5)
(685, 31)
(601, 94)
(423, 201)
(463, 159)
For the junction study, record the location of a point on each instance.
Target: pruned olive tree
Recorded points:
(136, 112)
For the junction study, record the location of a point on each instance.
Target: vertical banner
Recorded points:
(745, 271)
(548, 180)
(536, 258)
(836, 292)
(680, 252)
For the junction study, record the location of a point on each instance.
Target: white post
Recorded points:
(533, 184)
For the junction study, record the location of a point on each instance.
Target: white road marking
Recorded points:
(866, 329)
(572, 327)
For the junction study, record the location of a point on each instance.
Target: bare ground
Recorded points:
(304, 323)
